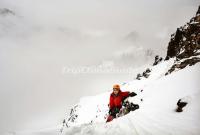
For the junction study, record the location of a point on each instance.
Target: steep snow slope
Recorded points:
(156, 115)
(94, 109)
(157, 110)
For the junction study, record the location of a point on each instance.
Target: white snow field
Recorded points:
(156, 115)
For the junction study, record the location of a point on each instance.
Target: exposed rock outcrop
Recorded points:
(185, 44)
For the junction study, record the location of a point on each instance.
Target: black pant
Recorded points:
(114, 111)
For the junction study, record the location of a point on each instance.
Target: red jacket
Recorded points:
(116, 100)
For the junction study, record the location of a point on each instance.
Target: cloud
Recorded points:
(5, 12)
(132, 36)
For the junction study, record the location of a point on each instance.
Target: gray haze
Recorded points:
(44, 36)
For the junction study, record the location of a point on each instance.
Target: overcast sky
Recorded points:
(44, 36)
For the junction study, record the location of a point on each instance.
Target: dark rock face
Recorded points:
(185, 44)
(186, 41)
(183, 64)
(174, 44)
(145, 74)
(198, 12)
(181, 104)
(157, 60)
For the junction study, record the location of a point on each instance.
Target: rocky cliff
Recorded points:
(184, 45)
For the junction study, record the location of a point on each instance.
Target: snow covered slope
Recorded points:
(158, 91)
(157, 109)
(159, 94)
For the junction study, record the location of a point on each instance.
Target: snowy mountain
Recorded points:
(157, 95)
(157, 113)
(159, 88)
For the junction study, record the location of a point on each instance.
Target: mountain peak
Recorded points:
(185, 44)
(6, 11)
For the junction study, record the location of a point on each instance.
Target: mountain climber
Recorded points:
(116, 100)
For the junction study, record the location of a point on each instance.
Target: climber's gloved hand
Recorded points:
(132, 94)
